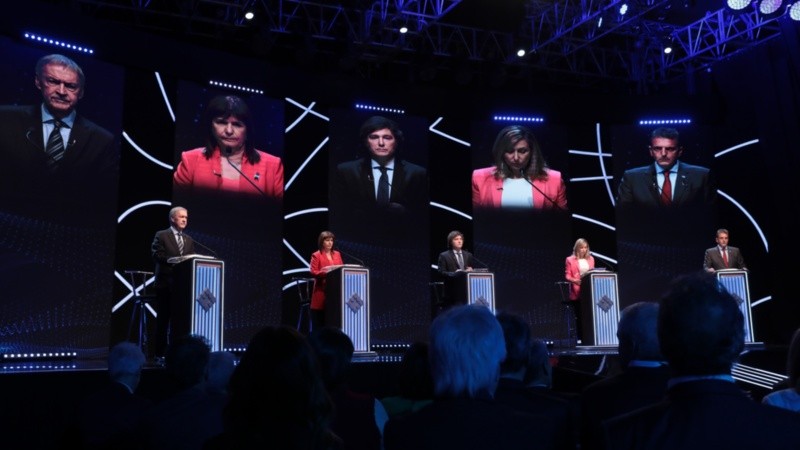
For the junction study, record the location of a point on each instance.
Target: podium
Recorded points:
(736, 282)
(475, 287)
(599, 300)
(347, 304)
(198, 298)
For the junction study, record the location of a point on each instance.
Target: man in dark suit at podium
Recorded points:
(167, 244)
(453, 261)
(723, 256)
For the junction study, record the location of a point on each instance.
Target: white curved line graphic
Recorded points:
(305, 211)
(735, 147)
(596, 222)
(432, 129)
(164, 95)
(602, 166)
(749, 217)
(452, 210)
(144, 153)
(291, 271)
(602, 256)
(760, 301)
(133, 208)
(307, 110)
(291, 249)
(302, 166)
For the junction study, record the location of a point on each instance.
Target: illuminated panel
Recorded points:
(480, 289)
(737, 285)
(207, 301)
(355, 308)
(605, 308)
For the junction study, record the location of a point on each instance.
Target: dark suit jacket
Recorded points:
(632, 389)
(714, 260)
(165, 246)
(448, 263)
(514, 393)
(693, 186)
(353, 185)
(705, 414)
(109, 418)
(466, 424)
(86, 175)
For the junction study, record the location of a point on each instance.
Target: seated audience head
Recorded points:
(220, 368)
(793, 362)
(539, 372)
(334, 351)
(186, 360)
(277, 382)
(125, 362)
(700, 327)
(638, 338)
(414, 374)
(517, 336)
(466, 349)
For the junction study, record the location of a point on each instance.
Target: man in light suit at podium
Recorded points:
(723, 256)
(167, 244)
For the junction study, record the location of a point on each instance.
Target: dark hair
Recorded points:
(376, 123)
(226, 106)
(414, 374)
(700, 326)
(277, 385)
(452, 235)
(793, 361)
(324, 235)
(637, 334)
(665, 133)
(187, 359)
(505, 141)
(517, 335)
(334, 351)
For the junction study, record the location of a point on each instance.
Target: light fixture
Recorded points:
(623, 9)
(738, 5)
(249, 15)
(794, 11)
(668, 49)
(521, 52)
(769, 6)
(403, 29)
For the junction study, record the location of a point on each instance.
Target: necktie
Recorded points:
(383, 187)
(180, 243)
(725, 257)
(460, 260)
(666, 190)
(55, 145)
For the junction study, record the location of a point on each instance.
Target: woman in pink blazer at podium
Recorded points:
(576, 265)
(321, 262)
(520, 177)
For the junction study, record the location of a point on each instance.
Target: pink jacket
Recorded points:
(487, 191)
(572, 274)
(196, 171)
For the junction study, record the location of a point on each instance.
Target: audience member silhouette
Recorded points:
(789, 398)
(277, 397)
(414, 383)
(107, 419)
(701, 333)
(642, 381)
(220, 369)
(189, 416)
(466, 349)
(358, 418)
(511, 389)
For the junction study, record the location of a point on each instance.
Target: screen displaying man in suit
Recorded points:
(52, 153)
(168, 243)
(667, 181)
(723, 256)
(381, 180)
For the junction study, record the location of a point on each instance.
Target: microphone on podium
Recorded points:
(358, 260)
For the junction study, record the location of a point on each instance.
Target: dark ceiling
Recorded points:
(585, 43)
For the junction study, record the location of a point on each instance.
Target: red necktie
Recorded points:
(725, 257)
(666, 190)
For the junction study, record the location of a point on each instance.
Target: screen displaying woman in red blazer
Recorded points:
(321, 262)
(229, 161)
(520, 177)
(577, 264)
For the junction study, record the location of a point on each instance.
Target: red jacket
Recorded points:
(318, 263)
(196, 171)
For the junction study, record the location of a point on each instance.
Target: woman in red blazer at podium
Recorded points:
(577, 264)
(321, 262)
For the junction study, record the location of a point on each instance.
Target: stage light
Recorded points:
(738, 5)
(769, 6)
(623, 9)
(249, 15)
(600, 22)
(58, 43)
(794, 11)
(235, 86)
(668, 49)
(379, 108)
(403, 30)
(521, 52)
(649, 122)
(518, 119)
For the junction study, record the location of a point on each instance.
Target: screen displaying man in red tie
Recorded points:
(723, 256)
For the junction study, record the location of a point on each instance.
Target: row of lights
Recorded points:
(665, 121)
(58, 43)
(379, 108)
(235, 87)
(767, 7)
(33, 356)
(518, 119)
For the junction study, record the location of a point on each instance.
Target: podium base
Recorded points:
(365, 356)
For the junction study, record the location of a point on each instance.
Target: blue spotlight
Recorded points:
(58, 43)
(794, 11)
(379, 108)
(738, 5)
(769, 6)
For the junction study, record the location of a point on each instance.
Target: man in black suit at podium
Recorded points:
(453, 261)
(167, 244)
(723, 256)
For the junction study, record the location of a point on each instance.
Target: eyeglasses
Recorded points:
(53, 82)
(668, 149)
